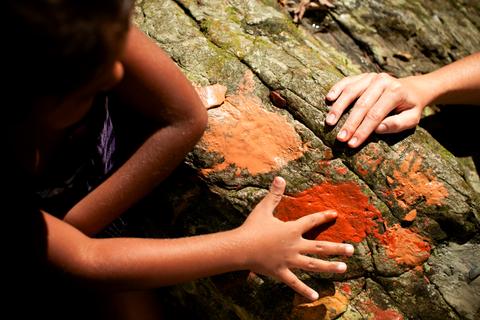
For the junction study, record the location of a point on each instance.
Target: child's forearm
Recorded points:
(155, 86)
(456, 83)
(134, 263)
(263, 244)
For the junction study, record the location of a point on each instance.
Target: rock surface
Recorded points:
(403, 200)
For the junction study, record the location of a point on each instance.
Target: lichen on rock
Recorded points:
(403, 200)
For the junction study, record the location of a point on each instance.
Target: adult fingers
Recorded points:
(387, 102)
(326, 248)
(271, 200)
(317, 265)
(310, 221)
(338, 87)
(361, 108)
(349, 92)
(405, 120)
(291, 280)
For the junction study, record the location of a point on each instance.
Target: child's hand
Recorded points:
(377, 95)
(275, 247)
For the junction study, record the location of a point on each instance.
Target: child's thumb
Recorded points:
(271, 200)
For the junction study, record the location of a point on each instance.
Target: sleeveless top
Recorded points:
(84, 159)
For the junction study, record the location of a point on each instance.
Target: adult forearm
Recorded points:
(456, 83)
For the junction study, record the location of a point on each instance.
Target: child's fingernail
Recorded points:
(341, 267)
(314, 295)
(330, 119)
(349, 249)
(331, 94)
(333, 213)
(277, 182)
(342, 134)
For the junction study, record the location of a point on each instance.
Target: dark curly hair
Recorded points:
(51, 47)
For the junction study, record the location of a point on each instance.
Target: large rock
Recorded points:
(403, 200)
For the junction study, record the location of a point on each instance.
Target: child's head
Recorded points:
(54, 47)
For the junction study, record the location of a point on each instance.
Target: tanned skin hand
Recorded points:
(263, 244)
(155, 86)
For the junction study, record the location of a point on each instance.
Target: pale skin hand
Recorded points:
(377, 95)
(262, 244)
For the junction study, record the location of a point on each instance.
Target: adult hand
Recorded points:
(376, 96)
(275, 247)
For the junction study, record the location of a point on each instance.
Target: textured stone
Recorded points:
(403, 199)
(452, 271)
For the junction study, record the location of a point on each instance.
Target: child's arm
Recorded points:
(153, 84)
(377, 95)
(262, 244)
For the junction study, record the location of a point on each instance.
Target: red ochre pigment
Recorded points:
(376, 313)
(357, 218)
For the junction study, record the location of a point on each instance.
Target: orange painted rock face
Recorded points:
(374, 312)
(356, 216)
(327, 307)
(405, 246)
(411, 183)
(248, 136)
(212, 96)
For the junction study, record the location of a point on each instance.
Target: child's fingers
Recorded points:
(405, 120)
(317, 265)
(271, 200)
(326, 248)
(291, 280)
(310, 221)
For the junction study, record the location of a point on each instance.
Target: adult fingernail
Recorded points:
(341, 267)
(342, 134)
(330, 94)
(381, 128)
(314, 295)
(330, 119)
(353, 142)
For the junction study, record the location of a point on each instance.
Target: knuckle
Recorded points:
(312, 219)
(292, 282)
(415, 121)
(374, 116)
(385, 77)
(361, 104)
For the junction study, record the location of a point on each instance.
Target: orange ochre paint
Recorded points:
(356, 219)
(248, 136)
(368, 163)
(405, 246)
(412, 183)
